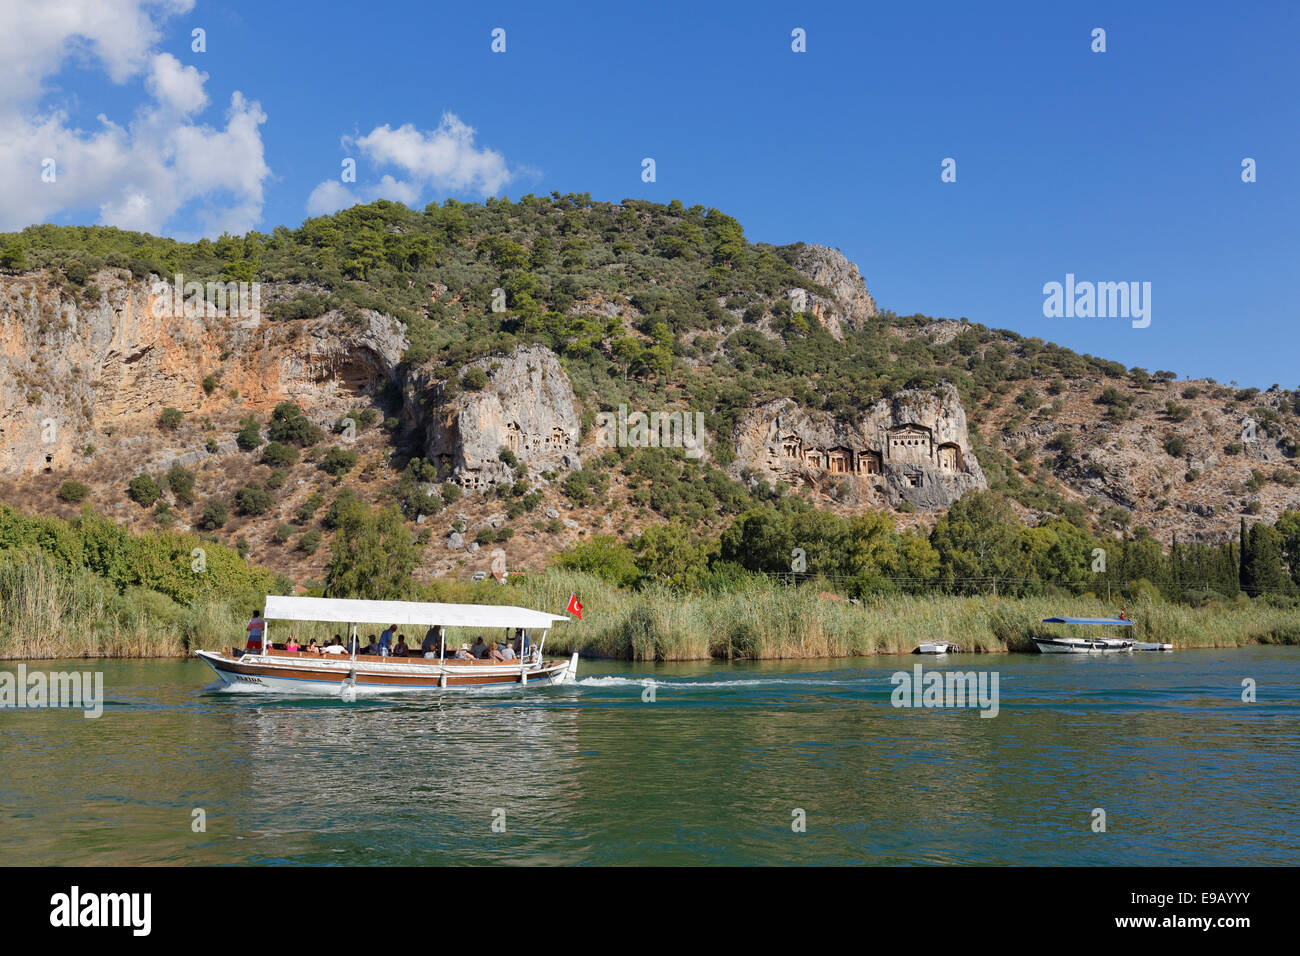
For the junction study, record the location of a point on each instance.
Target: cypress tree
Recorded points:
(1242, 581)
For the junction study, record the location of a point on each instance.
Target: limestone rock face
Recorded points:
(76, 372)
(852, 305)
(527, 406)
(910, 448)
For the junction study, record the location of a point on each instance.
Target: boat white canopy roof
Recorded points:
(348, 611)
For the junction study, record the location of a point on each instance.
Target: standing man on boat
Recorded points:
(256, 629)
(386, 640)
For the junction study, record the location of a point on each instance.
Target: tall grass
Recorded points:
(771, 620)
(45, 613)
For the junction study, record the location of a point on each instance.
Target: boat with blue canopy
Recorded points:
(1091, 642)
(1098, 643)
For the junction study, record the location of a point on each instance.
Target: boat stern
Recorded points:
(569, 673)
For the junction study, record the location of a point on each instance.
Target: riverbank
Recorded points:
(773, 621)
(45, 614)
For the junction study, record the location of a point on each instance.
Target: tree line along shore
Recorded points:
(88, 588)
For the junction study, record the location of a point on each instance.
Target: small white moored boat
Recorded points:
(936, 647)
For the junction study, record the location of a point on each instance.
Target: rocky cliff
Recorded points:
(77, 373)
(852, 304)
(912, 448)
(526, 406)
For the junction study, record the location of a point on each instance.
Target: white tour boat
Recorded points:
(274, 669)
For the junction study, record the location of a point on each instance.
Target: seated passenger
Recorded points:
(464, 653)
(292, 645)
(480, 649)
(336, 647)
(371, 648)
(506, 653)
(401, 650)
(313, 647)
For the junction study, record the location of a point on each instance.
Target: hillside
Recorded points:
(476, 347)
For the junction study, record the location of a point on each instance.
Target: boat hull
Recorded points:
(1079, 645)
(277, 674)
(936, 647)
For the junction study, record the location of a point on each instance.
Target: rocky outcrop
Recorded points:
(852, 305)
(95, 367)
(911, 448)
(527, 406)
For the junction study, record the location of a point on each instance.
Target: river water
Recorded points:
(759, 763)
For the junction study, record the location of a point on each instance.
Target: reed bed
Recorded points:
(776, 621)
(46, 614)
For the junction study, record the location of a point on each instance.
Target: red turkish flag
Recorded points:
(575, 606)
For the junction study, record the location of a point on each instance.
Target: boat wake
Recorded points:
(685, 683)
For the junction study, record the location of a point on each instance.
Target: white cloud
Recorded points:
(177, 86)
(330, 196)
(140, 174)
(444, 159)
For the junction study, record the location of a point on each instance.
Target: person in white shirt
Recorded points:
(335, 648)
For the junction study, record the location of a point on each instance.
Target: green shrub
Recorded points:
(290, 426)
(279, 454)
(170, 419)
(143, 490)
(73, 491)
(308, 508)
(215, 515)
(253, 499)
(338, 462)
(181, 482)
(249, 435)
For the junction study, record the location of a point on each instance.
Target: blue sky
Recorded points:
(1115, 166)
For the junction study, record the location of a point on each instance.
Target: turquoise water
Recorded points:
(710, 772)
